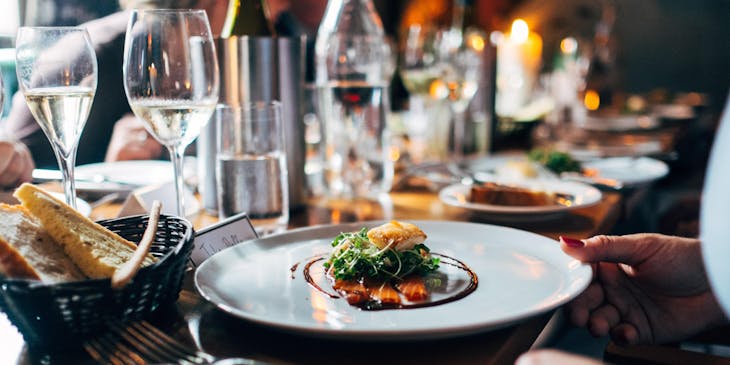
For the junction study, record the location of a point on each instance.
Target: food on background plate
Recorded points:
(94, 250)
(555, 161)
(517, 170)
(499, 194)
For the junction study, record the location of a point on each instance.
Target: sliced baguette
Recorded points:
(28, 252)
(97, 251)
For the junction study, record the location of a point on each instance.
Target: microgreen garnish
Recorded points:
(354, 257)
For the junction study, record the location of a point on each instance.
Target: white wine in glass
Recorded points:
(57, 73)
(171, 79)
(174, 121)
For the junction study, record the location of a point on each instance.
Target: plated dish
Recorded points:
(622, 171)
(620, 122)
(520, 274)
(631, 171)
(575, 195)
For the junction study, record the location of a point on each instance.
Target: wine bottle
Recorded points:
(247, 17)
(352, 74)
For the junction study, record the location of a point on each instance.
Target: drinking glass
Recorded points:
(458, 81)
(419, 68)
(171, 78)
(251, 170)
(57, 73)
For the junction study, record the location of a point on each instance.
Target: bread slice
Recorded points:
(97, 251)
(28, 252)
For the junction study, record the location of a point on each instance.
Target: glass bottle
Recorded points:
(352, 74)
(247, 17)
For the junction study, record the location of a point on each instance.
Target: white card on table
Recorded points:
(226, 233)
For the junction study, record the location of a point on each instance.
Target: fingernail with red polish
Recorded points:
(572, 242)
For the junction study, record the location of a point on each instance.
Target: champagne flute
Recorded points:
(171, 79)
(57, 73)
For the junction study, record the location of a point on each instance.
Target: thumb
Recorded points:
(630, 249)
(548, 357)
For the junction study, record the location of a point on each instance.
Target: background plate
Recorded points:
(520, 274)
(584, 195)
(631, 171)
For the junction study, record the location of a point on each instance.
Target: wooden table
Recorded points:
(224, 335)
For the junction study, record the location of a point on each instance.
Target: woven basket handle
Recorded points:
(123, 275)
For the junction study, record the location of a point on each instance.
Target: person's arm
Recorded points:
(16, 163)
(20, 125)
(130, 141)
(647, 288)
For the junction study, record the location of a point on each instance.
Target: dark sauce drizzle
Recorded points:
(372, 306)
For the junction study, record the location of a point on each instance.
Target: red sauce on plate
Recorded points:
(464, 291)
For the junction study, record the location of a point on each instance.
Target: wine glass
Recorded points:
(171, 79)
(57, 73)
(419, 69)
(458, 81)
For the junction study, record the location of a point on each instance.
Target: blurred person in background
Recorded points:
(111, 132)
(16, 164)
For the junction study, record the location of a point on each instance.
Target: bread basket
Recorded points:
(59, 315)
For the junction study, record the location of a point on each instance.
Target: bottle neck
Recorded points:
(247, 17)
(353, 17)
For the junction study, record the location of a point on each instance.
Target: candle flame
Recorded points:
(520, 31)
(591, 100)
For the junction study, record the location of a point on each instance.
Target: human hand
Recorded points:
(16, 164)
(130, 141)
(550, 357)
(647, 288)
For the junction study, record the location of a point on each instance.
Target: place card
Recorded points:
(226, 233)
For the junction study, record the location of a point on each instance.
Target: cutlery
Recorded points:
(141, 343)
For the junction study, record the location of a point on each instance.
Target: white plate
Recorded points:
(620, 123)
(81, 205)
(583, 196)
(130, 173)
(629, 171)
(520, 275)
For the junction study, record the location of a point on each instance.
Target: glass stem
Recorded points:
(177, 153)
(67, 164)
(459, 135)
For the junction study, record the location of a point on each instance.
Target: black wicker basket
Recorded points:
(56, 315)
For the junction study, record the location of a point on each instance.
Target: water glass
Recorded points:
(251, 172)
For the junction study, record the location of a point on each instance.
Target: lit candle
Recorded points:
(519, 56)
